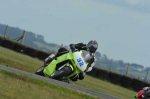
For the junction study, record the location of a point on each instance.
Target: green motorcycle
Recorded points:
(66, 66)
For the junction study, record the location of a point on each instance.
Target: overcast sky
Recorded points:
(121, 27)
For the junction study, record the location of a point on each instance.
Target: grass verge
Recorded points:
(14, 86)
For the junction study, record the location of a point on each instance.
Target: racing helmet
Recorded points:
(92, 46)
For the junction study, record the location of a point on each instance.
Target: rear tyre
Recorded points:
(39, 71)
(65, 71)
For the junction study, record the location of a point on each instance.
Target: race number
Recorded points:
(81, 63)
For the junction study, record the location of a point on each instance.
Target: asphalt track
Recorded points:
(70, 86)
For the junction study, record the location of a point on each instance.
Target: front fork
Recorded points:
(49, 59)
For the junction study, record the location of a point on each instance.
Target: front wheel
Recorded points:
(65, 71)
(39, 71)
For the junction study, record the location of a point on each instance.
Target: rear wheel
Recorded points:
(65, 71)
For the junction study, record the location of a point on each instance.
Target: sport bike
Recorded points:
(66, 66)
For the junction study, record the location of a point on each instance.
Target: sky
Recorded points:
(121, 27)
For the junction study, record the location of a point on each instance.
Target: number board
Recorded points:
(80, 61)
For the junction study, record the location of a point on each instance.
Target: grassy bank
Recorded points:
(15, 86)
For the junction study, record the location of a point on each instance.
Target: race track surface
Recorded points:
(70, 86)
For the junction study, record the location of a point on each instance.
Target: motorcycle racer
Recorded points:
(90, 48)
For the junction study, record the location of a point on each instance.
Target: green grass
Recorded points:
(106, 87)
(19, 61)
(26, 63)
(14, 86)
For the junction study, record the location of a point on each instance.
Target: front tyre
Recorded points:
(65, 71)
(39, 71)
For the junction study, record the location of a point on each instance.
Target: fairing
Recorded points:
(81, 59)
(78, 59)
(52, 66)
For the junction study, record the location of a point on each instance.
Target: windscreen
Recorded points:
(86, 56)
